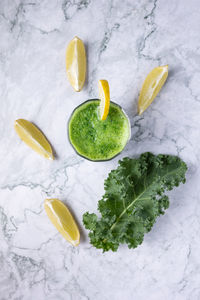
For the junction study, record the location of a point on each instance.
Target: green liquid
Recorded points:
(96, 139)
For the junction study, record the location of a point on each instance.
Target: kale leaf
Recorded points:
(134, 197)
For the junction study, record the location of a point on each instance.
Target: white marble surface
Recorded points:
(125, 40)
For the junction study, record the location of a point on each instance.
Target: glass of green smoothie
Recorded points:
(94, 139)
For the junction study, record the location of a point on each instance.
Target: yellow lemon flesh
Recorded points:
(151, 87)
(104, 95)
(62, 219)
(76, 63)
(33, 137)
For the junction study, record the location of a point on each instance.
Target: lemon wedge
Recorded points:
(76, 63)
(151, 87)
(33, 137)
(62, 219)
(104, 95)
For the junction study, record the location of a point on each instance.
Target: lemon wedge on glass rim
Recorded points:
(151, 87)
(104, 95)
(33, 137)
(62, 219)
(76, 63)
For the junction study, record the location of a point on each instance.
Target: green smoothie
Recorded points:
(96, 139)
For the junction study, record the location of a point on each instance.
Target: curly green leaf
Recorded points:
(134, 197)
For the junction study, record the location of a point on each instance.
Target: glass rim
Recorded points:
(98, 160)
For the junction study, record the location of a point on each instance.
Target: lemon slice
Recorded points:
(151, 87)
(62, 219)
(104, 95)
(76, 63)
(33, 137)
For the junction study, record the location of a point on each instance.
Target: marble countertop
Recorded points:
(124, 40)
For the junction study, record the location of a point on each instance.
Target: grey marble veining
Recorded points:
(124, 41)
